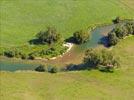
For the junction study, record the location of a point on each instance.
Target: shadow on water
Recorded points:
(104, 41)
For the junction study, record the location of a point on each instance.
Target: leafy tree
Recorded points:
(121, 31)
(112, 39)
(49, 36)
(95, 57)
(81, 36)
(130, 27)
(117, 20)
(53, 70)
(40, 68)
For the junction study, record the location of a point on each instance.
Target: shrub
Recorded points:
(40, 68)
(12, 53)
(117, 20)
(53, 70)
(106, 68)
(9, 53)
(31, 56)
(81, 36)
(121, 31)
(112, 39)
(49, 36)
(24, 56)
(130, 27)
(95, 57)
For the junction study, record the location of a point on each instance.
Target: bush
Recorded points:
(31, 56)
(112, 39)
(9, 53)
(49, 36)
(53, 70)
(81, 36)
(121, 31)
(95, 57)
(130, 27)
(24, 56)
(13, 53)
(117, 20)
(40, 68)
(106, 68)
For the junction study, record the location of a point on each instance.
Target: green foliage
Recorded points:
(40, 68)
(31, 56)
(95, 57)
(53, 70)
(13, 53)
(121, 31)
(130, 27)
(81, 36)
(117, 20)
(105, 68)
(24, 56)
(112, 38)
(49, 36)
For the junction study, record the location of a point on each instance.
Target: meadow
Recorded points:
(21, 20)
(75, 85)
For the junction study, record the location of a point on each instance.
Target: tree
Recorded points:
(40, 68)
(49, 36)
(112, 39)
(121, 31)
(54, 70)
(117, 20)
(95, 58)
(81, 36)
(130, 27)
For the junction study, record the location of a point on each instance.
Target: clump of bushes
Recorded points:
(117, 20)
(53, 70)
(97, 59)
(13, 53)
(112, 38)
(49, 36)
(40, 68)
(119, 32)
(81, 36)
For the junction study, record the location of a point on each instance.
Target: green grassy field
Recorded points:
(77, 85)
(22, 19)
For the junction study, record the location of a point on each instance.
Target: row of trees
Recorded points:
(51, 36)
(119, 32)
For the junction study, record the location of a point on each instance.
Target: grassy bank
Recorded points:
(77, 85)
(82, 85)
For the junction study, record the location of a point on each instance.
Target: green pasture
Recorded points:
(21, 19)
(75, 85)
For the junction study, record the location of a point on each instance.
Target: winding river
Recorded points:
(74, 56)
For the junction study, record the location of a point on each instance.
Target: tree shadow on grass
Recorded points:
(78, 67)
(35, 42)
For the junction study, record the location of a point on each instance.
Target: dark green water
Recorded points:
(97, 34)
